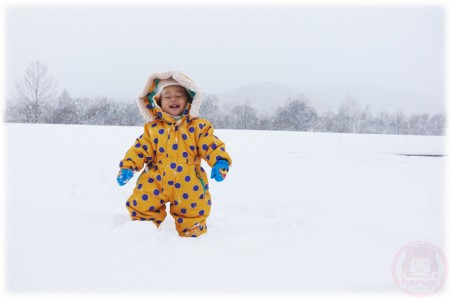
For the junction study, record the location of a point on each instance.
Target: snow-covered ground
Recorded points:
(299, 212)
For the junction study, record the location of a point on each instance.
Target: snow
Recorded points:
(298, 212)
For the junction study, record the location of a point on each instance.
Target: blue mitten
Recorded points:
(124, 176)
(220, 170)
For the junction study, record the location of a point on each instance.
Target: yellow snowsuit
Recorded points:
(171, 152)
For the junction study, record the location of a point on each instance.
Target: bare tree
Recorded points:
(34, 91)
(295, 115)
(244, 117)
(210, 110)
(348, 117)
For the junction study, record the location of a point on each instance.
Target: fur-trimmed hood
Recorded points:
(147, 103)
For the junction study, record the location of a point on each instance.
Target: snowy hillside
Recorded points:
(268, 96)
(299, 212)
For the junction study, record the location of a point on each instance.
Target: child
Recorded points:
(174, 141)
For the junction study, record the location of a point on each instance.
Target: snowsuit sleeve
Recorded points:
(210, 147)
(140, 153)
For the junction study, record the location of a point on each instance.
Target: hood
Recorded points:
(147, 104)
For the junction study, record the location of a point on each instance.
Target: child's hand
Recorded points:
(220, 170)
(124, 176)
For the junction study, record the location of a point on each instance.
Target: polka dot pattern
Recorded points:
(170, 151)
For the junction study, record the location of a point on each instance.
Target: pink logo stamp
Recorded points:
(420, 269)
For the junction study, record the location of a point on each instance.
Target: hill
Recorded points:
(267, 96)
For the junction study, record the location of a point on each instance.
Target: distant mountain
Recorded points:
(328, 98)
(267, 96)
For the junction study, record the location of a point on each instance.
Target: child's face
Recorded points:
(174, 100)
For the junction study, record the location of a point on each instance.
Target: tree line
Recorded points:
(37, 101)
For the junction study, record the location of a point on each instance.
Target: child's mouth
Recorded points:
(174, 106)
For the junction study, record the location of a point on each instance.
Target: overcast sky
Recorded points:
(112, 50)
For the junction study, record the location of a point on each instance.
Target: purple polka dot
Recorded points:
(219, 158)
(175, 147)
(141, 155)
(161, 131)
(158, 178)
(151, 208)
(191, 129)
(180, 168)
(196, 188)
(204, 147)
(193, 205)
(145, 147)
(150, 180)
(180, 220)
(139, 186)
(200, 126)
(161, 150)
(134, 213)
(185, 195)
(155, 140)
(121, 164)
(154, 125)
(185, 154)
(201, 212)
(170, 183)
(173, 165)
(137, 145)
(183, 211)
(178, 185)
(184, 136)
(144, 197)
(156, 192)
(214, 146)
(187, 178)
(176, 203)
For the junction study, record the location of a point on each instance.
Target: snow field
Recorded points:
(298, 212)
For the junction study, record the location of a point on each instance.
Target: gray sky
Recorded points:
(110, 51)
